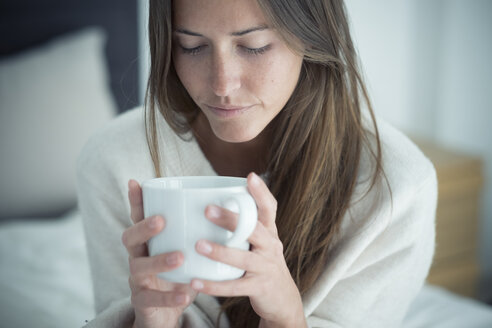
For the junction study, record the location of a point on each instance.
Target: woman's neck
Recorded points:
(231, 159)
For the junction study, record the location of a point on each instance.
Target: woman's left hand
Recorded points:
(267, 281)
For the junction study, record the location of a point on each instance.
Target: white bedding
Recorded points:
(45, 282)
(438, 308)
(44, 273)
(58, 88)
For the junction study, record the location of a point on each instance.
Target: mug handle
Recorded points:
(245, 205)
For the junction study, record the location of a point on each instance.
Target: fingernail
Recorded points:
(204, 247)
(256, 179)
(172, 259)
(181, 298)
(213, 212)
(152, 224)
(197, 284)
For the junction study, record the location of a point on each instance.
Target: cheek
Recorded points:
(188, 74)
(275, 81)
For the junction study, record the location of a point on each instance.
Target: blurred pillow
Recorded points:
(52, 99)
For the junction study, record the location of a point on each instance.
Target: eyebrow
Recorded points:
(238, 33)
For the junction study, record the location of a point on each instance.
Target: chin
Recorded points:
(235, 135)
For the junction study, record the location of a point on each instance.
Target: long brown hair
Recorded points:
(318, 135)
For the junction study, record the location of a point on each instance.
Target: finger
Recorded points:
(146, 298)
(221, 217)
(135, 237)
(136, 201)
(229, 288)
(238, 258)
(267, 204)
(145, 266)
(262, 238)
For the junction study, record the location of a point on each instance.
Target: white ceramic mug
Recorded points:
(182, 202)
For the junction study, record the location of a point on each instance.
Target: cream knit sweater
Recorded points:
(380, 260)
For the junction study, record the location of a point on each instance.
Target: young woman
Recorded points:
(346, 210)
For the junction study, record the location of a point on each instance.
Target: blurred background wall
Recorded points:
(68, 67)
(427, 66)
(36, 22)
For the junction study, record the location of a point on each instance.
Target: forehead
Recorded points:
(217, 15)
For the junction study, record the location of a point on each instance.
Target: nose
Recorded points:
(225, 74)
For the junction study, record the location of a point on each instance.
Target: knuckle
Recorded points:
(132, 264)
(258, 228)
(245, 264)
(125, 238)
(145, 283)
(278, 247)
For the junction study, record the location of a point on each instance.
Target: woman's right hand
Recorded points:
(156, 302)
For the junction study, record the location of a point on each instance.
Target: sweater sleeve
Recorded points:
(389, 269)
(105, 217)
(103, 203)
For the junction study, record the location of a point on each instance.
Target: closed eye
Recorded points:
(192, 51)
(257, 51)
(253, 51)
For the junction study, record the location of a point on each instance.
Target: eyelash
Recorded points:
(257, 51)
(251, 51)
(191, 51)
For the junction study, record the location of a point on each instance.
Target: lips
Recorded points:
(228, 107)
(227, 111)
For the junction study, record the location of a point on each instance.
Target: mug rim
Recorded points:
(155, 183)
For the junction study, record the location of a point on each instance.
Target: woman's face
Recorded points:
(237, 69)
